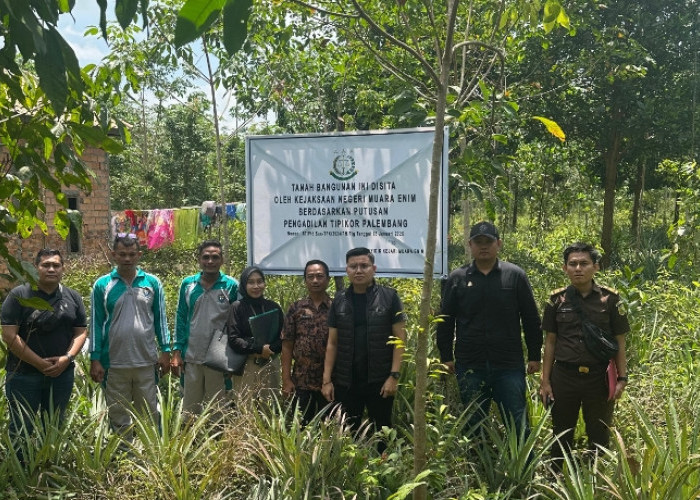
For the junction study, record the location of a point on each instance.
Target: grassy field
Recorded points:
(259, 450)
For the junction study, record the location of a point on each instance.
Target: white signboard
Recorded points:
(317, 196)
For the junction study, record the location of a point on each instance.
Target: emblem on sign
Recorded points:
(344, 166)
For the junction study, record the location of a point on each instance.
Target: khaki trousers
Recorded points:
(202, 385)
(258, 381)
(132, 389)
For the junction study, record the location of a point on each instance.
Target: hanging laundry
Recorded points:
(160, 232)
(231, 210)
(186, 228)
(131, 215)
(120, 224)
(140, 229)
(241, 211)
(183, 228)
(207, 215)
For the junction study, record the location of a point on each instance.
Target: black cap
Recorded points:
(484, 229)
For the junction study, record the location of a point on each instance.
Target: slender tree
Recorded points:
(445, 55)
(621, 79)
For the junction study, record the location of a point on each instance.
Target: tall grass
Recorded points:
(262, 451)
(177, 453)
(659, 462)
(320, 460)
(44, 452)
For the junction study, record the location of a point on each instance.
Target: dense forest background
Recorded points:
(621, 81)
(567, 122)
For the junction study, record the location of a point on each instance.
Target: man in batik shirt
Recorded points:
(304, 339)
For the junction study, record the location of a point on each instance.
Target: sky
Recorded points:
(92, 49)
(85, 13)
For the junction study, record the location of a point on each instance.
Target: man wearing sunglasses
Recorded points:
(128, 326)
(362, 366)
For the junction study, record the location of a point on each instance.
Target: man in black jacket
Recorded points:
(362, 363)
(489, 300)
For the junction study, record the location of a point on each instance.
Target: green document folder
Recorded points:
(265, 326)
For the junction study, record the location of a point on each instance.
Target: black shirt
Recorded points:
(488, 310)
(360, 356)
(52, 340)
(240, 336)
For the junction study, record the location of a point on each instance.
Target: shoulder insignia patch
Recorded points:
(553, 296)
(609, 289)
(557, 291)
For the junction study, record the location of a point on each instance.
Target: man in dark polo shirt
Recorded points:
(304, 339)
(42, 344)
(571, 376)
(487, 301)
(362, 364)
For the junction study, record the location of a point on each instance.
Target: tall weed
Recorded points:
(45, 453)
(320, 460)
(660, 462)
(579, 482)
(178, 453)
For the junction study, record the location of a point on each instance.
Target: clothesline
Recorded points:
(181, 227)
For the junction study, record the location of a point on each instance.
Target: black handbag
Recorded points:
(599, 342)
(221, 357)
(45, 321)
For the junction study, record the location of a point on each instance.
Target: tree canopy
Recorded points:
(52, 109)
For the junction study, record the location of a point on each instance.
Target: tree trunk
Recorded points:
(144, 130)
(516, 201)
(636, 225)
(540, 208)
(676, 208)
(466, 215)
(340, 127)
(420, 437)
(219, 161)
(611, 159)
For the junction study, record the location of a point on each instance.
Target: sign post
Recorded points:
(316, 196)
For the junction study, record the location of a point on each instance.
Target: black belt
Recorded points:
(582, 368)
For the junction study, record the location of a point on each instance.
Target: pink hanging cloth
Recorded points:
(160, 232)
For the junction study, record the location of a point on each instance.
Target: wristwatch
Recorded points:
(70, 357)
(396, 375)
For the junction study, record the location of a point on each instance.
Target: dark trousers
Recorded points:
(30, 393)
(309, 402)
(504, 386)
(353, 401)
(572, 391)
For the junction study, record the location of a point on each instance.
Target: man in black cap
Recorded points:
(489, 300)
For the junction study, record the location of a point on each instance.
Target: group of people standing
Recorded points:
(346, 350)
(487, 303)
(131, 346)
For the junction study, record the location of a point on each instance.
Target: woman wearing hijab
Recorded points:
(261, 372)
